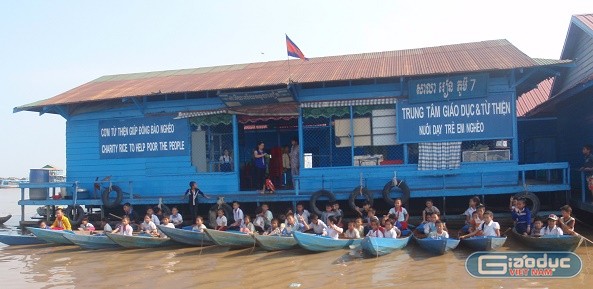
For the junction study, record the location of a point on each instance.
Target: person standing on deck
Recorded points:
(294, 159)
(260, 167)
(226, 161)
(193, 193)
(587, 167)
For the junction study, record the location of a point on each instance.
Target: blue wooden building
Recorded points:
(441, 119)
(564, 116)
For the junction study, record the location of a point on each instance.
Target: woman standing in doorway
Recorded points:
(260, 167)
(294, 160)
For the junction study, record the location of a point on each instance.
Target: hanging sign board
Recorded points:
(448, 88)
(143, 137)
(264, 97)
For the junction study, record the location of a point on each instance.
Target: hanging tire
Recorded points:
(75, 214)
(535, 203)
(228, 212)
(118, 198)
(398, 184)
(316, 196)
(358, 192)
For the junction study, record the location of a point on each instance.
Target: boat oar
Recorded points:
(110, 214)
(584, 238)
(505, 232)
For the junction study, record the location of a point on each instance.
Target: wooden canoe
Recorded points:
(91, 242)
(373, 246)
(233, 239)
(16, 240)
(318, 243)
(186, 236)
(484, 243)
(4, 219)
(275, 243)
(141, 241)
(549, 243)
(51, 236)
(438, 246)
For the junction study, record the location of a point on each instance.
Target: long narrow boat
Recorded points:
(318, 243)
(549, 243)
(4, 219)
(483, 243)
(186, 236)
(233, 239)
(275, 243)
(373, 246)
(91, 242)
(51, 236)
(141, 241)
(437, 246)
(16, 240)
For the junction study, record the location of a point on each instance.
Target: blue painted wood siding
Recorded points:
(582, 55)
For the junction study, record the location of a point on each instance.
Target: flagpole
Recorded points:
(288, 61)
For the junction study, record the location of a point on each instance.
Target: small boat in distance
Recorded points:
(4, 219)
(51, 236)
(7, 184)
(275, 243)
(318, 243)
(549, 243)
(373, 246)
(233, 239)
(17, 240)
(186, 236)
(438, 246)
(483, 243)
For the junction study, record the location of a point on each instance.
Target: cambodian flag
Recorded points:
(294, 50)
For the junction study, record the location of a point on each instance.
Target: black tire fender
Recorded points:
(316, 196)
(397, 184)
(75, 214)
(535, 203)
(360, 191)
(118, 198)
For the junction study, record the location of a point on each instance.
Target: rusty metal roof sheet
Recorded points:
(586, 19)
(467, 57)
(531, 99)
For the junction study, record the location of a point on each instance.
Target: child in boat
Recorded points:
(274, 229)
(364, 210)
(130, 213)
(43, 225)
(473, 204)
(477, 218)
(176, 217)
(329, 211)
(401, 215)
(199, 225)
(301, 212)
(439, 232)
(247, 227)
(124, 228)
(85, 225)
(538, 226)
(566, 221)
(522, 218)
(487, 228)
(430, 209)
(291, 225)
(61, 222)
(237, 216)
(552, 229)
(148, 226)
(352, 232)
(359, 226)
(221, 221)
(167, 224)
(391, 231)
(430, 226)
(154, 218)
(267, 216)
(338, 213)
(333, 230)
(318, 226)
(105, 225)
(513, 204)
(375, 231)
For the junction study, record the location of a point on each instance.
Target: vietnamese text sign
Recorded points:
(522, 265)
(143, 137)
(233, 99)
(470, 119)
(448, 88)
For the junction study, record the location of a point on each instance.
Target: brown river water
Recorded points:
(42, 266)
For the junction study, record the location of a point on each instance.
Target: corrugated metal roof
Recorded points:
(531, 99)
(586, 19)
(467, 57)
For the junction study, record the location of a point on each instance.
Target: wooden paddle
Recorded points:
(505, 232)
(110, 214)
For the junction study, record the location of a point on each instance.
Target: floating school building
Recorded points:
(559, 120)
(441, 120)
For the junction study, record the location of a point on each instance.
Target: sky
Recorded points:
(49, 47)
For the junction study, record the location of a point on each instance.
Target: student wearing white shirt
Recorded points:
(199, 225)
(176, 217)
(400, 213)
(124, 228)
(487, 228)
(225, 162)
(153, 217)
(375, 230)
(221, 221)
(352, 232)
(237, 216)
(391, 231)
(106, 227)
(148, 226)
(291, 225)
(333, 230)
(301, 212)
(439, 232)
(166, 224)
(551, 229)
(319, 227)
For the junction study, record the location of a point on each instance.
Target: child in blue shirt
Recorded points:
(522, 218)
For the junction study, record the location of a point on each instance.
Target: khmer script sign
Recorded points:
(448, 88)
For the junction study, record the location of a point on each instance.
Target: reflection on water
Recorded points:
(42, 266)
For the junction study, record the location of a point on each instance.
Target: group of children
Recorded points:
(552, 225)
